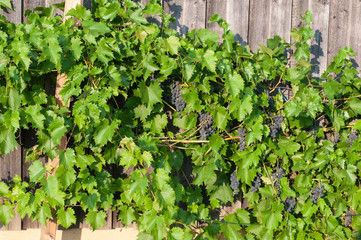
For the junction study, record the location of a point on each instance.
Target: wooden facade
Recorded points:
(336, 25)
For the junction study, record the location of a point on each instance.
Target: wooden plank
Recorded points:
(269, 18)
(16, 15)
(11, 166)
(355, 33)
(237, 16)
(234, 12)
(320, 25)
(339, 27)
(216, 7)
(189, 14)
(259, 15)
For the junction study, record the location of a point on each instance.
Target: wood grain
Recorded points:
(11, 166)
(320, 10)
(189, 14)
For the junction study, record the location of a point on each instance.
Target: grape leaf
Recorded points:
(66, 217)
(209, 60)
(53, 50)
(7, 140)
(6, 3)
(76, 47)
(104, 132)
(152, 94)
(172, 44)
(14, 99)
(231, 231)
(6, 213)
(234, 84)
(126, 215)
(57, 129)
(67, 158)
(36, 170)
(95, 219)
(44, 213)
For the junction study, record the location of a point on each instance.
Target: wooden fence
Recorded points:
(337, 24)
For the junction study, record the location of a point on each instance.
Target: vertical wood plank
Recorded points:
(11, 166)
(238, 17)
(319, 45)
(269, 18)
(339, 26)
(259, 15)
(16, 15)
(189, 14)
(355, 33)
(216, 7)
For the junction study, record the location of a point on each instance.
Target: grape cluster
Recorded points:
(276, 176)
(316, 193)
(242, 139)
(275, 127)
(290, 204)
(256, 183)
(333, 137)
(234, 183)
(176, 96)
(351, 138)
(207, 128)
(348, 218)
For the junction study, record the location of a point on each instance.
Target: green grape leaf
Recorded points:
(271, 219)
(79, 12)
(90, 201)
(57, 129)
(6, 3)
(51, 185)
(14, 99)
(209, 60)
(44, 214)
(66, 217)
(137, 17)
(152, 94)
(204, 173)
(355, 105)
(126, 215)
(172, 44)
(67, 158)
(35, 116)
(96, 219)
(206, 35)
(53, 51)
(7, 140)
(140, 183)
(36, 171)
(234, 84)
(221, 118)
(95, 28)
(223, 193)
(66, 176)
(4, 189)
(6, 213)
(231, 231)
(104, 132)
(149, 220)
(76, 47)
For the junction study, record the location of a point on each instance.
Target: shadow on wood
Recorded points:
(71, 234)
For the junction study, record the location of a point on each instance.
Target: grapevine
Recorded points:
(168, 129)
